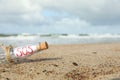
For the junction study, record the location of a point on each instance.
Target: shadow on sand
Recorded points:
(37, 60)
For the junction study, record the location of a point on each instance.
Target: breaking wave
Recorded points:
(59, 38)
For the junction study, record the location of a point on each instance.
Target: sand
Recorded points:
(68, 62)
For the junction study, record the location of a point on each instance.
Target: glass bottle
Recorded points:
(12, 55)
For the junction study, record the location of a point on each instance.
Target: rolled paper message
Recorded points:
(22, 52)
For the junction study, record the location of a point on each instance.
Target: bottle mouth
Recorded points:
(44, 45)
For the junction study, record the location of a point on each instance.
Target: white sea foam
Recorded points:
(91, 36)
(19, 37)
(105, 35)
(69, 36)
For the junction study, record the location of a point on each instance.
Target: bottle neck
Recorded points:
(42, 46)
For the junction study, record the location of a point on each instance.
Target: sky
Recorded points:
(59, 16)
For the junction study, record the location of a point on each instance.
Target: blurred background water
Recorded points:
(24, 39)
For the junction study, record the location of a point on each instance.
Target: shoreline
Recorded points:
(98, 61)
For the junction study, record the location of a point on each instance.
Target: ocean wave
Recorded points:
(60, 39)
(90, 36)
(79, 36)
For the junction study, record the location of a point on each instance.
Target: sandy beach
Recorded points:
(68, 62)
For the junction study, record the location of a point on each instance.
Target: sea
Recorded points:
(25, 38)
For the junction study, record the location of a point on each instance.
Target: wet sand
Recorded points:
(68, 62)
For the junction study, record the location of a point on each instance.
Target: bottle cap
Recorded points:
(42, 46)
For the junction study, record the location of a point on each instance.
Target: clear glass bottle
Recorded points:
(12, 55)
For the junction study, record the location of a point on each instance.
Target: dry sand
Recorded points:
(68, 62)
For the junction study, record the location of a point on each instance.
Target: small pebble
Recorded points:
(75, 64)
(44, 70)
(94, 52)
(7, 79)
(38, 73)
(55, 65)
